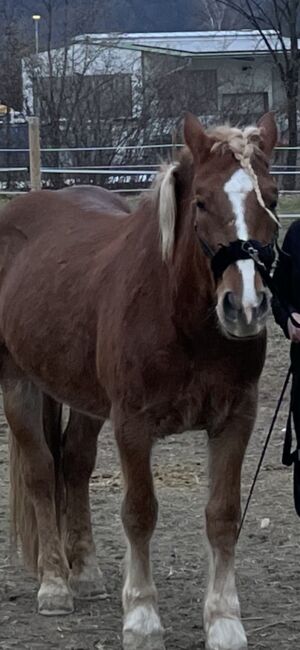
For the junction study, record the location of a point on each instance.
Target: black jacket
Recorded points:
(287, 282)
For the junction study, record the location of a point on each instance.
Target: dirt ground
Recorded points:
(268, 559)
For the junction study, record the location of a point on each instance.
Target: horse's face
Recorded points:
(235, 201)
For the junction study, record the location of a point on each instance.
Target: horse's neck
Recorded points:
(193, 294)
(186, 284)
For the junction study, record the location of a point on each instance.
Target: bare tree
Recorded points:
(214, 16)
(56, 79)
(283, 18)
(12, 48)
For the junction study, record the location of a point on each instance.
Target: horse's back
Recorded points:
(93, 197)
(81, 213)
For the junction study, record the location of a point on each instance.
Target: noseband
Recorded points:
(251, 249)
(262, 256)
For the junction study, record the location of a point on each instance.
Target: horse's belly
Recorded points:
(68, 378)
(80, 399)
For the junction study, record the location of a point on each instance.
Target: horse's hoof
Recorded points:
(142, 630)
(136, 641)
(88, 584)
(54, 598)
(226, 634)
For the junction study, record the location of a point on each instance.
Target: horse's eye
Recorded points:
(273, 205)
(201, 205)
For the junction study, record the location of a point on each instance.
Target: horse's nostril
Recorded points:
(260, 298)
(231, 299)
(262, 303)
(230, 305)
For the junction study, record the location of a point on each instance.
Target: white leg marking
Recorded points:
(139, 587)
(226, 634)
(224, 630)
(54, 597)
(221, 596)
(141, 620)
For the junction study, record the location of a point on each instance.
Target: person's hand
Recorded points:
(294, 332)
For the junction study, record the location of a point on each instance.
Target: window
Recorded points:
(114, 95)
(174, 84)
(245, 103)
(185, 89)
(95, 96)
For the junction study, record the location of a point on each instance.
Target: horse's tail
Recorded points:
(23, 519)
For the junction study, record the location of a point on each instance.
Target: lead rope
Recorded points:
(270, 284)
(253, 254)
(265, 447)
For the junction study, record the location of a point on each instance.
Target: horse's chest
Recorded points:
(181, 392)
(190, 406)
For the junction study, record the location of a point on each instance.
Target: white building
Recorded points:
(216, 71)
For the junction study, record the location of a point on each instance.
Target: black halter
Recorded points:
(250, 249)
(263, 256)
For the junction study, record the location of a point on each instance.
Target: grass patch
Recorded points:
(289, 204)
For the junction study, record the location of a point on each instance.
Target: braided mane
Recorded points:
(244, 144)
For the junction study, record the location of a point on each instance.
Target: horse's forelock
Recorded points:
(165, 186)
(244, 144)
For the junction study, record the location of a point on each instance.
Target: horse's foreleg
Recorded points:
(142, 628)
(223, 627)
(80, 450)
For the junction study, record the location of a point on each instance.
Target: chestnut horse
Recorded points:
(140, 317)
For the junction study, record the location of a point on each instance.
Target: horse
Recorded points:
(155, 318)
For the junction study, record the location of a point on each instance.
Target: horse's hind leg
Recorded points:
(223, 627)
(32, 474)
(79, 456)
(142, 629)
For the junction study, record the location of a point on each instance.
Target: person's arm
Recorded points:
(283, 283)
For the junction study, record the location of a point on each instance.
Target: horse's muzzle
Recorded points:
(243, 321)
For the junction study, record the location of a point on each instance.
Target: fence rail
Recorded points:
(137, 173)
(113, 171)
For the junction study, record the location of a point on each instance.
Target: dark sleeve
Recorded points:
(283, 303)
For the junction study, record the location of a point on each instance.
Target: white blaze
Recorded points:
(237, 190)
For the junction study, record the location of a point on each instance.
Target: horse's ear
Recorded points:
(268, 133)
(195, 137)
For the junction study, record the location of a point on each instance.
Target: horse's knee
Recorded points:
(139, 514)
(222, 523)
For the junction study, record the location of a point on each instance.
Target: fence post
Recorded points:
(34, 153)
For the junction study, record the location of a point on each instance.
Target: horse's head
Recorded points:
(233, 199)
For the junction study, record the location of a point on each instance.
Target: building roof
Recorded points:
(212, 43)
